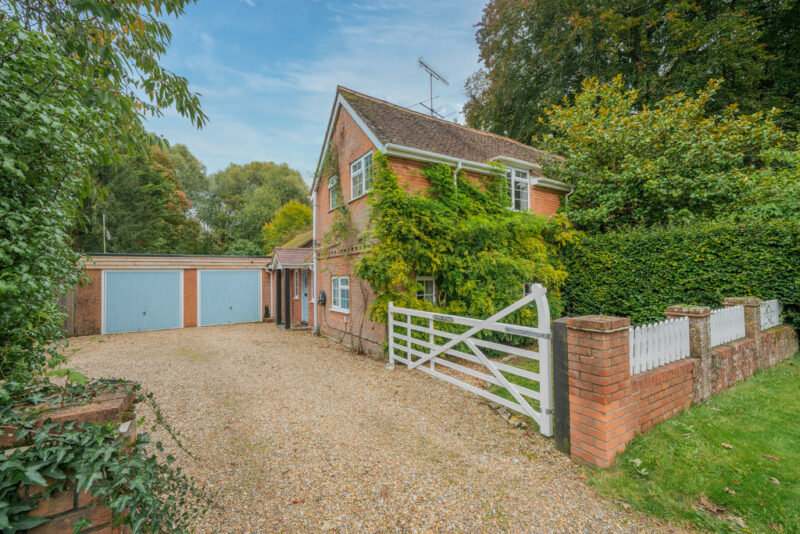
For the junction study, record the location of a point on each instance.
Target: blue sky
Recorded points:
(268, 69)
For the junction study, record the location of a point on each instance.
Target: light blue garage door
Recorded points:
(142, 300)
(228, 297)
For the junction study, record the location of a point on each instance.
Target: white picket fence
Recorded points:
(727, 324)
(657, 344)
(440, 351)
(770, 314)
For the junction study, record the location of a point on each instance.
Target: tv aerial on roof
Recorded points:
(432, 74)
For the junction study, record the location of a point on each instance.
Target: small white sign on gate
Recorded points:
(409, 344)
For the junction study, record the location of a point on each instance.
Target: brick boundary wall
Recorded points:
(608, 406)
(64, 508)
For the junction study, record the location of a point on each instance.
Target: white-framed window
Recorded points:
(297, 284)
(517, 187)
(428, 291)
(361, 176)
(527, 289)
(340, 293)
(333, 191)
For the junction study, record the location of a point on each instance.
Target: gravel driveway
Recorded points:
(295, 433)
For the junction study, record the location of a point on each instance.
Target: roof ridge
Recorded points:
(483, 132)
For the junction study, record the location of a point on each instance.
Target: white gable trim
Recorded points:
(341, 102)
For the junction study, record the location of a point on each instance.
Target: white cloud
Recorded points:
(278, 109)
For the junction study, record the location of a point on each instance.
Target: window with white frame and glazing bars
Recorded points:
(428, 290)
(340, 293)
(361, 176)
(517, 187)
(333, 191)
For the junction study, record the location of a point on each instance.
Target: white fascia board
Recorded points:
(417, 154)
(341, 102)
(517, 162)
(549, 183)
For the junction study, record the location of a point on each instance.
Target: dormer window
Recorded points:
(517, 187)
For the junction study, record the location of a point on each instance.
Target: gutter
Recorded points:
(314, 261)
(423, 155)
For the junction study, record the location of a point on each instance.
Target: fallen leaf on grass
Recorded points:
(739, 521)
(711, 507)
(726, 445)
(778, 528)
(732, 492)
(770, 457)
(775, 481)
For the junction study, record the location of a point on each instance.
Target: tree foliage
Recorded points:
(642, 166)
(535, 53)
(478, 251)
(49, 138)
(244, 197)
(291, 219)
(145, 209)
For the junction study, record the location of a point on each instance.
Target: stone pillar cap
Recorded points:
(741, 301)
(689, 311)
(600, 323)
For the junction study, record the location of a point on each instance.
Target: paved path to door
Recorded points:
(295, 433)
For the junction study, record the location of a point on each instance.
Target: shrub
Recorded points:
(638, 273)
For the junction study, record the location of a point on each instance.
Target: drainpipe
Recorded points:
(566, 197)
(455, 174)
(314, 255)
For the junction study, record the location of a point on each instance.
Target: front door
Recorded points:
(304, 298)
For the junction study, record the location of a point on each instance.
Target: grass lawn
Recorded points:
(730, 464)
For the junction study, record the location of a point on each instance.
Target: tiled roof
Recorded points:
(299, 241)
(292, 256)
(397, 125)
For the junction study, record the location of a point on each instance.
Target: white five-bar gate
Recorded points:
(414, 333)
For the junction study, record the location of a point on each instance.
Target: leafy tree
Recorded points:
(775, 192)
(291, 219)
(243, 247)
(244, 197)
(77, 78)
(49, 137)
(641, 166)
(144, 208)
(190, 174)
(535, 53)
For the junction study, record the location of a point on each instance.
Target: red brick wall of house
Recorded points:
(349, 327)
(88, 320)
(545, 201)
(189, 297)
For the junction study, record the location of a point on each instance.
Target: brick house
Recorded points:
(359, 126)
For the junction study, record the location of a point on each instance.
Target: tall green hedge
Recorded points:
(638, 273)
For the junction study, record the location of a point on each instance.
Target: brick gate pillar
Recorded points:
(602, 414)
(699, 347)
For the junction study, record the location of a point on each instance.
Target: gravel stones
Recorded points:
(295, 433)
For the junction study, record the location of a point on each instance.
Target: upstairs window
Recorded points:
(428, 291)
(333, 191)
(340, 293)
(517, 187)
(361, 176)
